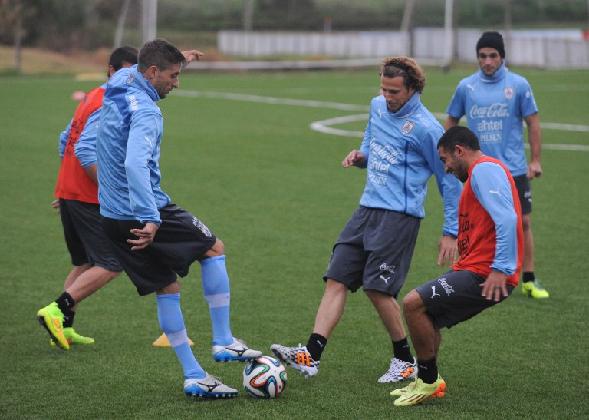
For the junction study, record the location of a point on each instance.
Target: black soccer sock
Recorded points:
(65, 303)
(315, 345)
(68, 320)
(427, 370)
(528, 276)
(402, 351)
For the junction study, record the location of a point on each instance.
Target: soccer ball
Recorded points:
(264, 377)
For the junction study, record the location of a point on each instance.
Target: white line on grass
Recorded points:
(324, 126)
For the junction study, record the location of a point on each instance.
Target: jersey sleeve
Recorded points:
(365, 145)
(140, 147)
(526, 98)
(85, 148)
(493, 190)
(63, 139)
(449, 186)
(457, 106)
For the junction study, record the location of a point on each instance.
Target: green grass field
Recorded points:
(275, 192)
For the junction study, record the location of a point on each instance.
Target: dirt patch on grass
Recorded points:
(39, 61)
(86, 65)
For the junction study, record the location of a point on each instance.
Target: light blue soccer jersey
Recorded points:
(495, 107)
(128, 149)
(401, 151)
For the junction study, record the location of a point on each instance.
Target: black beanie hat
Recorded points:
(491, 39)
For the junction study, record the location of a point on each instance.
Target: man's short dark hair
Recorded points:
(122, 55)
(159, 53)
(458, 135)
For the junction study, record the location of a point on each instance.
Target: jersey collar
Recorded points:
(495, 77)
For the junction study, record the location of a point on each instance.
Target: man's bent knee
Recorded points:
(412, 302)
(526, 222)
(377, 295)
(217, 249)
(169, 289)
(335, 286)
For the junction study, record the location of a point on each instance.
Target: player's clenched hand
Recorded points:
(448, 251)
(354, 158)
(493, 288)
(534, 169)
(55, 204)
(144, 235)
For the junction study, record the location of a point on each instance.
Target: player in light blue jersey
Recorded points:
(374, 250)
(496, 101)
(154, 239)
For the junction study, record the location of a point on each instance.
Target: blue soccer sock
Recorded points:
(169, 314)
(215, 285)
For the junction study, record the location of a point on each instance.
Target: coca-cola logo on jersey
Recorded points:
(497, 110)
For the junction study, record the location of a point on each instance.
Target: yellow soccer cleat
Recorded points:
(534, 290)
(73, 338)
(401, 391)
(162, 341)
(51, 318)
(418, 392)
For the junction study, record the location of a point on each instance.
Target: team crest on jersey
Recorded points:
(508, 92)
(407, 127)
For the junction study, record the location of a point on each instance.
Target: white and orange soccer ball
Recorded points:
(264, 377)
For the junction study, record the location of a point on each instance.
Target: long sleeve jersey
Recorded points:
(401, 152)
(128, 151)
(494, 107)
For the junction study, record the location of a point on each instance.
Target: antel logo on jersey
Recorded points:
(497, 110)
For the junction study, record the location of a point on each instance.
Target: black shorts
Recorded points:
(180, 240)
(524, 191)
(454, 297)
(84, 237)
(374, 251)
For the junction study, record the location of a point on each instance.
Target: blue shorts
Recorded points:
(180, 240)
(84, 237)
(524, 192)
(374, 251)
(455, 297)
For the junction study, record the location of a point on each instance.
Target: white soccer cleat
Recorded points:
(236, 351)
(399, 371)
(208, 387)
(298, 358)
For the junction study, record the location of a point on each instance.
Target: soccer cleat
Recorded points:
(534, 290)
(236, 351)
(418, 391)
(401, 391)
(73, 338)
(298, 358)
(208, 387)
(51, 318)
(399, 371)
(162, 341)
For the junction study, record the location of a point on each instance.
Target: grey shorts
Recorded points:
(455, 297)
(374, 251)
(524, 192)
(84, 237)
(180, 240)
